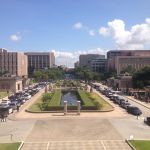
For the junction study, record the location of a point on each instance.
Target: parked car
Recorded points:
(122, 100)
(13, 105)
(27, 96)
(147, 120)
(22, 100)
(134, 110)
(5, 101)
(125, 105)
(5, 109)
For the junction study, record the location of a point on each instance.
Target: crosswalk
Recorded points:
(77, 145)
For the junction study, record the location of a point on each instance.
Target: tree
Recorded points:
(38, 75)
(84, 73)
(141, 78)
(129, 69)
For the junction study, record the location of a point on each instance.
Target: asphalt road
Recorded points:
(145, 111)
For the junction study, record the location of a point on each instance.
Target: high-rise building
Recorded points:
(116, 58)
(76, 64)
(13, 63)
(99, 64)
(40, 60)
(85, 60)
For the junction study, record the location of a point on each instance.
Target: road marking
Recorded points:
(47, 146)
(103, 145)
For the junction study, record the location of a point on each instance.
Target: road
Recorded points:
(145, 111)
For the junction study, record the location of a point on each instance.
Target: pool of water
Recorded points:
(70, 97)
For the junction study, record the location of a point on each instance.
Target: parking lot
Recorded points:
(17, 100)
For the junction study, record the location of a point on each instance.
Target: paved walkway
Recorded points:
(147, 105)
(78, 145)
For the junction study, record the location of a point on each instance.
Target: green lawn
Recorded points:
(9, 146)
(85, 98)
(54, 101)
(3, 94)
(105, 106)
(93, 99)
(36, 106)
(56, 98)
(140, 144)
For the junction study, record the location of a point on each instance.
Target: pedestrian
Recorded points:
(2, 117)
(17, 108)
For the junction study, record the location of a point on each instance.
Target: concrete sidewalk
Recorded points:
(147, 105)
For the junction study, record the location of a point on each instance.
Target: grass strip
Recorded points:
(3, 94)
(9, 146)
(140, 144)
(85, 98)
(56, 98)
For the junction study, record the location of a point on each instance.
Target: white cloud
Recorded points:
(92, 32)
(78, 25)
(104, 31)
(15, 37)
(69, 58)
(135, 38)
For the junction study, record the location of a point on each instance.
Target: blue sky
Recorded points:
(73, 27)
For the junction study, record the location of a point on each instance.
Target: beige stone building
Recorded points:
(123, 83)
(11, 84)
(13, 71)
(117, 59)
(136, 62)
(13, 63)
(40, 60)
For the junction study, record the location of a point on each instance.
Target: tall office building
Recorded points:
(85, 60)
(40, 60)
(119, 59)
(99, 64)
(13, 63)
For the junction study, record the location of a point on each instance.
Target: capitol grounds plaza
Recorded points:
(89, 130)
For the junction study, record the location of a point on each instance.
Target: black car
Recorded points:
(134, 110)
(147, 121)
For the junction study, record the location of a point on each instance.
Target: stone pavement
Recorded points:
(78, 145)
(74, 134)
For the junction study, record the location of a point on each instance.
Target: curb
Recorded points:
(22, 143)
(138, 102)
(132, 147)
(84, 111)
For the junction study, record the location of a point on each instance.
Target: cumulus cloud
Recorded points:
(15, 37)
(69, 58)
(92, 32)
(135, 38)
(78, 25)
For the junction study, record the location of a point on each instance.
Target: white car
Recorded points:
(7, 102)
(27, 96)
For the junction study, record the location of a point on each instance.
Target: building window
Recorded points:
(18, 86)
